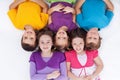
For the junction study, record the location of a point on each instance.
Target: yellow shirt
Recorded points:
(28, 13)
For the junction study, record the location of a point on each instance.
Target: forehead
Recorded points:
(77, 39)
(45, 37)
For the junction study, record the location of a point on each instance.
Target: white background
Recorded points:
(14, 61)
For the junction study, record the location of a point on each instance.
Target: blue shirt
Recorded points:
(94, 15)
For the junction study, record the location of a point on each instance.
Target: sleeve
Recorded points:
(79, 18)
(12, 15)
(63, 72)
(52, 27)
(95, 53)
(32, 59)
(33, 73)
(44, 19)
(109, 15)
(67, 57)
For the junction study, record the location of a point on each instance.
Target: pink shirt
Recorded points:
(71, 56)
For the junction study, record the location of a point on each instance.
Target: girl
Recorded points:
(81, 64)
(93, 15)
(28, 15)
(61, 20)
(46, 64)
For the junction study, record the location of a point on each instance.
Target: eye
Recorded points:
(89, 37)
(64, 37)
(58, 37)
(25, 37)
(42, 42)
(74, 43)
(48, 42)
(31, 38)
(95, 38)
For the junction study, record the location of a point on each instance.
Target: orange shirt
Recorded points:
(28, 13)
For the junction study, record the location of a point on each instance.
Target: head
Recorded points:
(45, 40)
(61, 40)
(28, 40)
(78, 39)
(93, 39)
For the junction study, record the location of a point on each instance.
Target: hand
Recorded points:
(68, 10)
(53, 75)
(58, 7)
(89, 77)
(44, 10)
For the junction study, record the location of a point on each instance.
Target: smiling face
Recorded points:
(61, 38)
(92, 36)
(29, 37)
(78, 44)
(45, 43)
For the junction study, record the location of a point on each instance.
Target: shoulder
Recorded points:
(70, 53)
(35, 54)
(58, 53)
(93, 53)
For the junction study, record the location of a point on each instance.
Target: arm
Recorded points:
(42, 4)
(78, 6)
(16, 3)
(71, 75)
(55, 8)
(63, 72)
(33, 73)
(99, 68)
(109, 5)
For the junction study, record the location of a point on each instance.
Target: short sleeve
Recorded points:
(67, 56)
(12, 15)
(95, 53)
(52, 27)
(109, 15)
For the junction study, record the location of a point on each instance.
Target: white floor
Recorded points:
(14, 61)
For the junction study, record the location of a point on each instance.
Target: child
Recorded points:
(81, 64)
(61, 20)
(47, 64)
(28, 15)
(93, 15)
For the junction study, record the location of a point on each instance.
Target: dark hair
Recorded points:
(45, 31)
(28, 47)
(78, 32)
(92, 46)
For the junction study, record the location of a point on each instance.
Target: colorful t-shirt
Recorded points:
(60, 19)
(82, 67)
(41, 66)
(69, 1)
(94, 15)
(28, 13)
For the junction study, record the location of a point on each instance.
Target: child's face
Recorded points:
(29, 37)
(78, 44)
(92, 36)
(61, 38)
(45, 43)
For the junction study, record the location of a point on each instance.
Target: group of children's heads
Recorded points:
(77, 39)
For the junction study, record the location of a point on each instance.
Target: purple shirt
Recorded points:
(39, 72)
(60, 19)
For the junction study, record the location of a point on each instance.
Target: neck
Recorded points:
(63, 28)
(81, 53)
(28, 27)
(46, 54)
